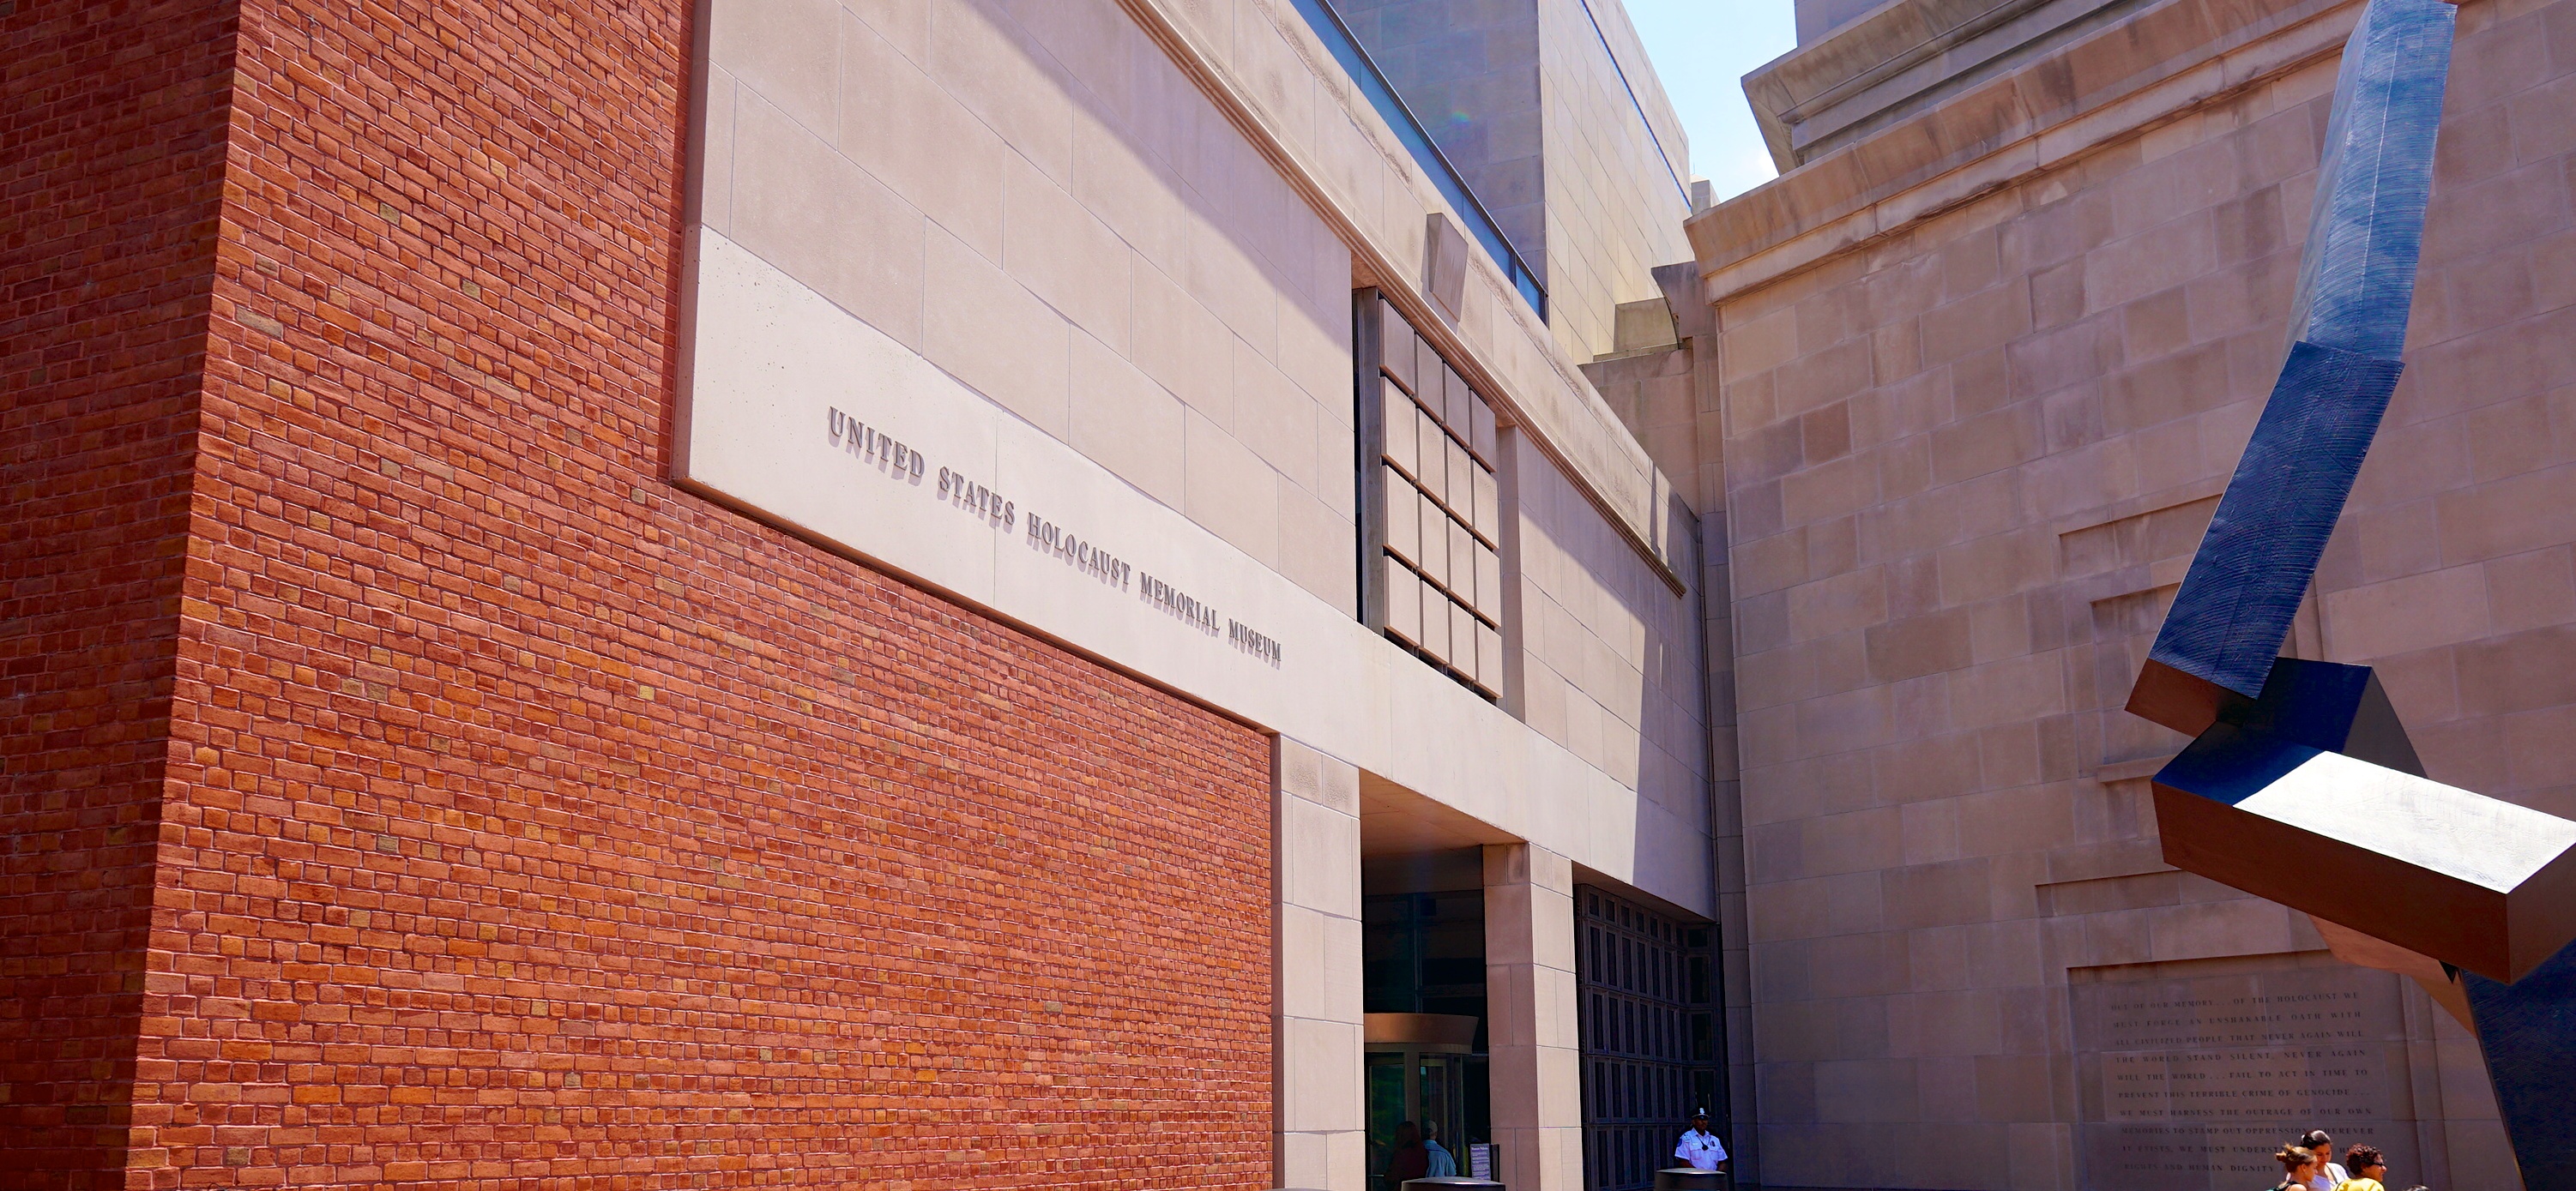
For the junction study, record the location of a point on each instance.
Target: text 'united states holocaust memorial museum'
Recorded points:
(849, 593)
(1085, 555)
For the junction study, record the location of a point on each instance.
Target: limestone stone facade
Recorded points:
(1962, 387)
(1469, 72)
(1555, 118)
(1056, 225)
(1618, 169)
(1107, 285)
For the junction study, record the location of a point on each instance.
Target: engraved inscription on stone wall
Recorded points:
(904, 462)
(2193, 1082)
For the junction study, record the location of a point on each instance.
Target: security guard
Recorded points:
(1701, 1148)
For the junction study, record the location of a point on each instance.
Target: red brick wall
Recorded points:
(532, 823)
(111, 147)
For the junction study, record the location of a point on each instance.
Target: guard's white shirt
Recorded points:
(2334, 1176)
(1702, 1150)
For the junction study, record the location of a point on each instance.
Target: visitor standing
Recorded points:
(1410, 1160)
(1699, 1148)
(2297, 1163)
(2327, 1176)
(2368, 1166)
(1437, 1162)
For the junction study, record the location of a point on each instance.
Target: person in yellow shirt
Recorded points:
(2367, 1166)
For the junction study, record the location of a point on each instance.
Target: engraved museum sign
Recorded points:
(899, 460)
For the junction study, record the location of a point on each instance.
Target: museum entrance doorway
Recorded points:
(1420, 1066)
(1423, 982)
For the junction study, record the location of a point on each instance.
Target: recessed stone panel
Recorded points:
(1403, 601)
(1462, 642)
(1434, 528)
(1455, 397)
(1462, 563)
(1489, 658)
(1435, 624)
(1403, 518)
(2192, 1082)
(1426, 370)
(1397, 346)
(1433, 449)
(1462, 478)
(1397, 409)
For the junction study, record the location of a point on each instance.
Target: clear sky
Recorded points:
(1702, 50)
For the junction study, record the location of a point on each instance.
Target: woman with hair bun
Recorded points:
(2298, 1163)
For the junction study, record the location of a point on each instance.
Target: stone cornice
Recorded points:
(1899, 55)
(2164, 62)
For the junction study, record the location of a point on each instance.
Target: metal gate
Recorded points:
(1648, 988)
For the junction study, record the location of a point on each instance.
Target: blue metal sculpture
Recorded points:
(2293, 757)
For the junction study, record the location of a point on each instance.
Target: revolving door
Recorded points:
(1422, 1070)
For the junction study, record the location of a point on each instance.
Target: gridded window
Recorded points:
(1432, 566)
(1649, 1029)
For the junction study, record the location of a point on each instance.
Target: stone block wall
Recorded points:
(1552, 113)
(1966, 457)
(1617, 168)
(2450, 573)
(1321, 1109)
(1609, 658)
(1816, 18)
(1672, 400)
(1470, 73)
(1057, 215)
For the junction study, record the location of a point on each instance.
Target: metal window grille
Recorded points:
(1431, 518)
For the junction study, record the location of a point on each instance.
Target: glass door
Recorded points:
(1408, 1086)
(1440, 1083)
(1388, 1107)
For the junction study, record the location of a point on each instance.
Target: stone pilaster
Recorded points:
(1531, 1020)
(1317, 850)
